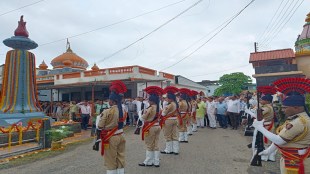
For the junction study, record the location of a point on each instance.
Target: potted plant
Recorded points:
(57, 136)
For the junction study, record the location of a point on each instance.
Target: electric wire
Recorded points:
(221, 71)
(279, 22)
(21, 7)
(112, 24)
(222, 28)
(270, 22)
(138, 40)
(283, 24)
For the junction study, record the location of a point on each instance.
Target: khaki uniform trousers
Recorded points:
(193, 120)
(284, 170)
(183, 127)
(114, 155)
(152, 138)
(170, 130)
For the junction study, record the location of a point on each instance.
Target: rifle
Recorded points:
(248, 130)
(97, 140)
(139, 124)
(259, 142)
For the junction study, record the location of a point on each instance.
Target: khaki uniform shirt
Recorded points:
(183, 106)
(194, 105)
(109, 118)
(267, 112)
(171, 107)
(150, 113)
(296, 131)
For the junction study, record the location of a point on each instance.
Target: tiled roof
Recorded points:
(271, 55)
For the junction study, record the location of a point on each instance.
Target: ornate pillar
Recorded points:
(19, 91)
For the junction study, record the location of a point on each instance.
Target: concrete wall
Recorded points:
(210, 89)
(275, 69)
(266, 81)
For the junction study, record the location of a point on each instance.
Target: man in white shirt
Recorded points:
(211, 112)
(85, 113)
(233, 110)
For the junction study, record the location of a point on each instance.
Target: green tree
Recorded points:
(232, 83)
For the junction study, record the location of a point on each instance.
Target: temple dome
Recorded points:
(67, 63)
(43, 66)
(95, 68)
(69, 59)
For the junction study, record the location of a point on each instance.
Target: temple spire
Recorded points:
(21, 30)
(68, 48)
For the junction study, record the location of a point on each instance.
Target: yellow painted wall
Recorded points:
(303, 64)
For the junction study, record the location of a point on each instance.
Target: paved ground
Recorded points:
(209, 151)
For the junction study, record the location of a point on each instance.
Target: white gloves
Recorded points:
(269, 150)
(259, 125)
(140, 115)
(248, 111)
(97, 120)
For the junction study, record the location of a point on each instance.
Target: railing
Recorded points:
(168, 76)
(146, 71)
(101, 72)
(71, 75)
(121, 70)
(94, 73)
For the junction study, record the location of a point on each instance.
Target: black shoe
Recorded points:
(190, 134)
(156, 165)
(185, 141)
(145, 165)
(164, 152)
(175, 153)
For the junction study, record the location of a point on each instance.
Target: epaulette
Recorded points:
(292, 117)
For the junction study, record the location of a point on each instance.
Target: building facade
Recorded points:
(69, 80)
(275, 64)
(272, 65)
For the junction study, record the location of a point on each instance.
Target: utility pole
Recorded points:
(255, 47)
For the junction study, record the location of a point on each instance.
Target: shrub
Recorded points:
(59, 133)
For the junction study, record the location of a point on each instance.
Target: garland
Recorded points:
(17, 128)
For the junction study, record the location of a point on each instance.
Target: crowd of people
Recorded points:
(178, 113)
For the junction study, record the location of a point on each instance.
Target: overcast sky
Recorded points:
(52, 20)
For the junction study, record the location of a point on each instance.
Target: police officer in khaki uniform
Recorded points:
(111, 125)
(268, 116)
(169, 122)
(193, 122)
(184, 110)
(292, 138)
(151, 128)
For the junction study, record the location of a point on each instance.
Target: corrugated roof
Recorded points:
(271, 55)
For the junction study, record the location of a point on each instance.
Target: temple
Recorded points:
(275, 64)
(68, 79)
